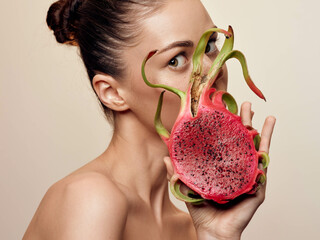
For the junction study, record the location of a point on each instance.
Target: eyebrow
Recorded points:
(187, 43)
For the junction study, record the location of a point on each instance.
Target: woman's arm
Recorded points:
(84, 206)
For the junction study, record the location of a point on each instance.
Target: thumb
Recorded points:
(170, 171)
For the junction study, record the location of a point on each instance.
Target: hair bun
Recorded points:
(62, 18)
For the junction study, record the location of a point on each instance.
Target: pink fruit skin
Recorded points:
(214, 153)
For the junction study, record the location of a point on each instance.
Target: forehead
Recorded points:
(177, 20)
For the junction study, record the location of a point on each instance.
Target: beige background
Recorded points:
(51, 123)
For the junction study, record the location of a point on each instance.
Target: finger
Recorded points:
(170, 171)
(266, 134)
(246, 114)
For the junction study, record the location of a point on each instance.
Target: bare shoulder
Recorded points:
(81, 206)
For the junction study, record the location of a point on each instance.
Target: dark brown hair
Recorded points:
(102, 29)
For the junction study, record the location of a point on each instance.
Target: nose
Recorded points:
(221, 80)
(206, 64)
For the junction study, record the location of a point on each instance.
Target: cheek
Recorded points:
(170, 110)
(143, 100)
(171, 102)
(179, 80)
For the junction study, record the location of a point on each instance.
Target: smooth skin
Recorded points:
(123, 193)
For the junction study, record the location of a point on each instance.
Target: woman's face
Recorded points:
(175, 31)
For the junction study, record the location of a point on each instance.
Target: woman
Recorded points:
(123, 193)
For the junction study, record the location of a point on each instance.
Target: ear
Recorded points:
(106, 87)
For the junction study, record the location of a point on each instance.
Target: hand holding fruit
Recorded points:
(214, 221)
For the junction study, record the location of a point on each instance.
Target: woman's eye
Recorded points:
(211, 46)
(178, 61)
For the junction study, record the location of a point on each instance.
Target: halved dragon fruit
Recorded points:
(212, 152)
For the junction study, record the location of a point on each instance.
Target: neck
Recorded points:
(135, 159)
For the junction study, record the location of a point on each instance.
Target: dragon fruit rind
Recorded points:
(212, 152)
